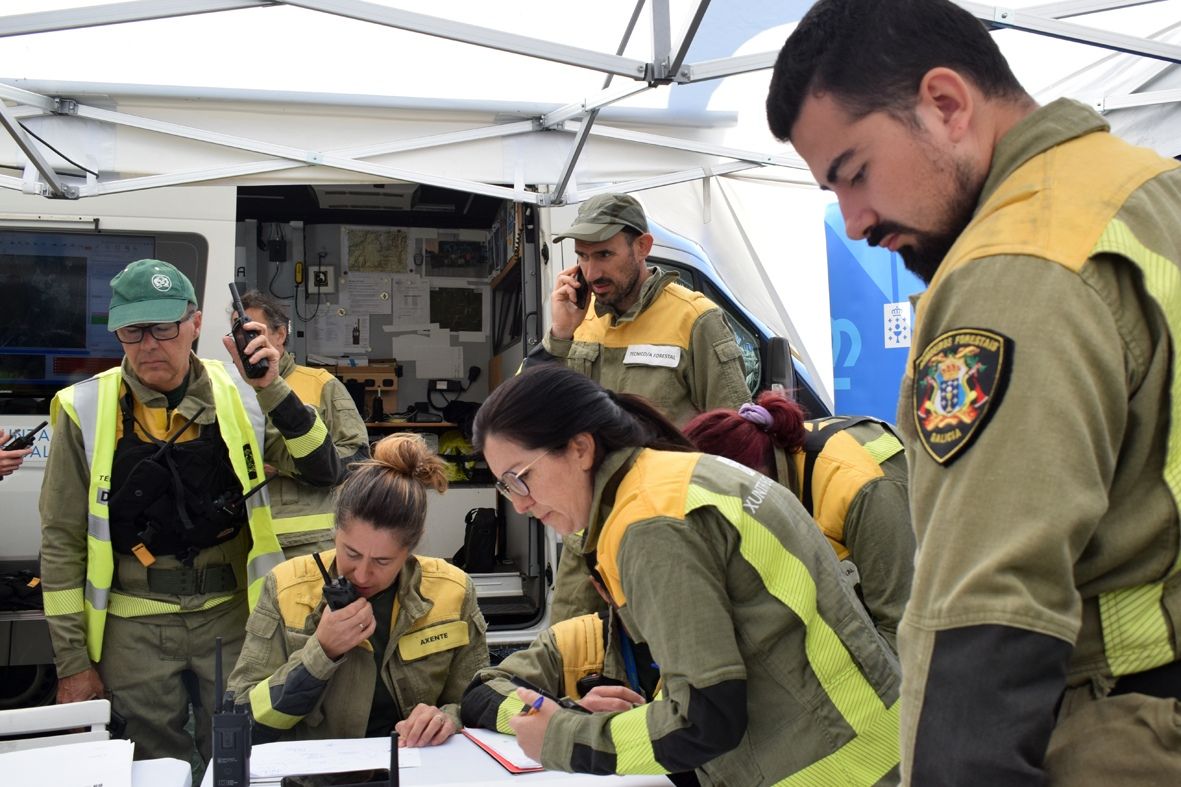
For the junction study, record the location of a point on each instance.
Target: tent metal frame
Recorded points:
(667, 67)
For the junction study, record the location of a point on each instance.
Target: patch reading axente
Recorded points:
(958, 383)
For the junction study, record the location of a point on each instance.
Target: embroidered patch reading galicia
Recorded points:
(958, 383)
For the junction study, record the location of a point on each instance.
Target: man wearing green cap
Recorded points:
(151, 542)
(640, 333)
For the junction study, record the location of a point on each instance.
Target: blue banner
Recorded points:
(868, 291)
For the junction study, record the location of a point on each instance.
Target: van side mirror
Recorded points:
(781, 372)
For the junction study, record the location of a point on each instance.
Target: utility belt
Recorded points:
(1163, 681)
(182, 581)
(192, 581)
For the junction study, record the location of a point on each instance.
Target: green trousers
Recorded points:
(142, 667)
(1115, 740)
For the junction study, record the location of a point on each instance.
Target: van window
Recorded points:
(748, 341)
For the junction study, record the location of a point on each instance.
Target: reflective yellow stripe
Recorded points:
(260, 707)
(883, 447)
(633, 744)
(285, 525)
(134, 607)
(874, 750)
(299, 447)
(1136, 634)
(241, 433)
(62, 602)
(1135, 631)
(511, 706)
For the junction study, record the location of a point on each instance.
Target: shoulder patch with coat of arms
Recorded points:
(959, 380)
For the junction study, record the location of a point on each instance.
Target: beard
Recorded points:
(623, 291)
(923, 256)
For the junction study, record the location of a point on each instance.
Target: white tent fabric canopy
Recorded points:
(528, 100)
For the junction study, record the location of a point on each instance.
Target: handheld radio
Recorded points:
(24, 441)
(243, 337)
(231, 736)
(339, 592)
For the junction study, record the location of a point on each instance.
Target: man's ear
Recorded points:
(946, 100)
(643, 245)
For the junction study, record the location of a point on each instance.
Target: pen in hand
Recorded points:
(533, 707)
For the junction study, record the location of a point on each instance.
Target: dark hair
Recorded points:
(631, 234)
(728, 433)
(547, 404)
(871, 55)
(274, 312)
(389, 490)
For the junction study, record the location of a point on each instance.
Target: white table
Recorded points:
(165, 772)
(459, 761)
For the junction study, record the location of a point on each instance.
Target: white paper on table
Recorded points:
(355, 754)
(103, 763)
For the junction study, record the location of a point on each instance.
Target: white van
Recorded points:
(478, 268)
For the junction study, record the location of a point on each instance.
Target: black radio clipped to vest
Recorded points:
(231, 735)
(339, 592)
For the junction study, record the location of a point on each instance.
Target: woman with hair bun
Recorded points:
(850, 474)
(397, 656)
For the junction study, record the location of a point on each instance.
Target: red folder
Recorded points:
(503, 749)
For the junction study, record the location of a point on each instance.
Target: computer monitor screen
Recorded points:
(53, 327)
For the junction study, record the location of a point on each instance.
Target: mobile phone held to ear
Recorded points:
(243, 337)
(582, 293)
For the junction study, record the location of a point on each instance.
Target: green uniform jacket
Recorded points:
(302, 511)
(772, 670)
(859, 501)
(857, 495)
(672, 346)
(294, 691)
(572, 649)
(1037, 463)
(64, 493)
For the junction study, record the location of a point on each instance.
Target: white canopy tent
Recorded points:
(534, 101)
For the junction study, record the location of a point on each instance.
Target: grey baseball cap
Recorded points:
(601, 217)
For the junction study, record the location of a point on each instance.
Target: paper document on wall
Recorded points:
(272, 760)
(332, 333)
(410, 296)
(369, 293)
(106, 763)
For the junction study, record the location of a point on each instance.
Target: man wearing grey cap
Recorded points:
(640, 332)
(151, 542)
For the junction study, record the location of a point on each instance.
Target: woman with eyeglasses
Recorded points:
(398, 651)
(771, 666)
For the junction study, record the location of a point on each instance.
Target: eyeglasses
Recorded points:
(512, 483)
(161, 331)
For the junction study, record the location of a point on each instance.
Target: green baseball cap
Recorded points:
(148, 291)
(601, 217)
